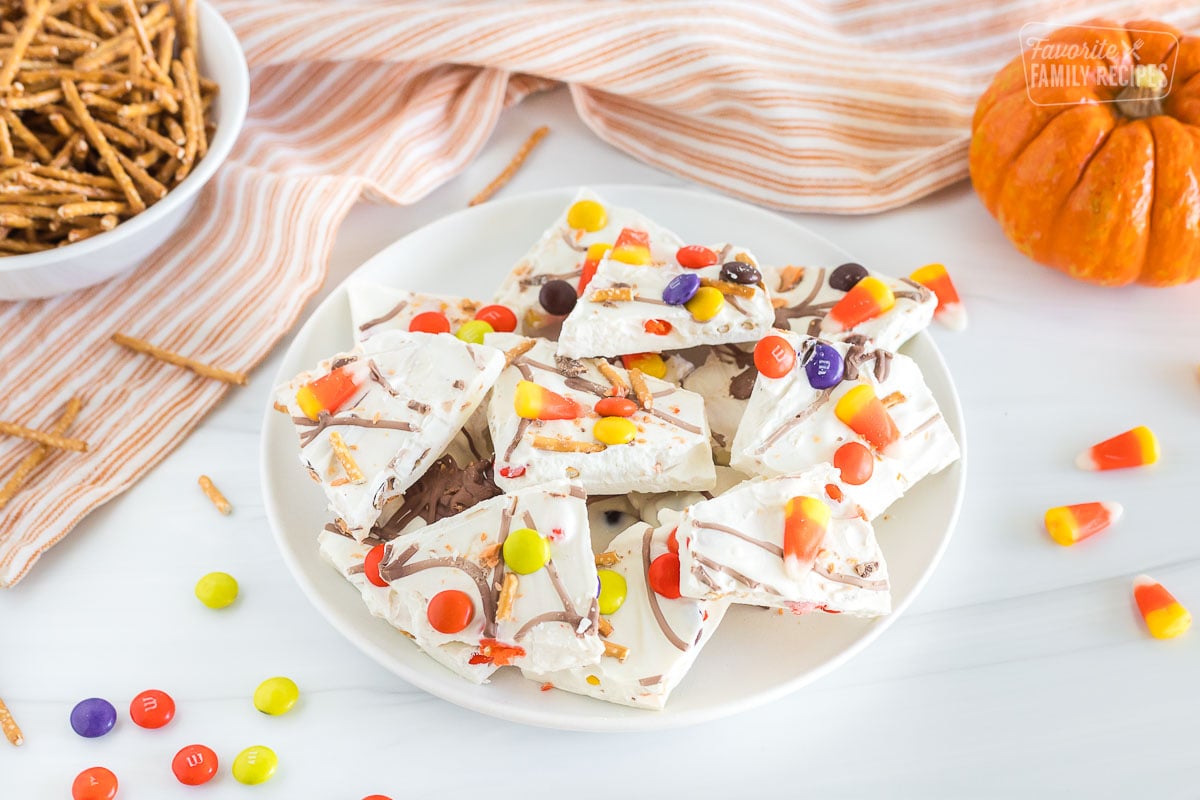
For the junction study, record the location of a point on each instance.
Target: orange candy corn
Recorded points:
(632, 247)
(531, 401)
(1070, 524)
(326, 393)
(1133, 448)
(860, 409)
(949, 311)
(805, 520)
(1165, 617)
(869, 298)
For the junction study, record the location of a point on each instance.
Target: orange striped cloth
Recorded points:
(817, 105)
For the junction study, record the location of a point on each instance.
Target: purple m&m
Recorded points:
(824, 366)
(681, 289)
(93, 717)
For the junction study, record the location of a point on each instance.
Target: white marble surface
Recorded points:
(1021, 671)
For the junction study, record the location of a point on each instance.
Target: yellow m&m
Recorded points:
(705, 304)
(526, 551)
(473, 332)
(217, 589)
(588, 215)
(255, 765)
(614, 430)
(612, 590)
(276, 696)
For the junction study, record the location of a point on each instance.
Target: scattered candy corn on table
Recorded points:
(1017, 646)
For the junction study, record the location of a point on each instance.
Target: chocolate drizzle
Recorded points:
(854, 580)
(741, 384)
(806, 307)
(821, 399)
(399, 567)
(770, 547)
(652, 596)
(444, 490)
(377, 376)
(920, 294)
(569, 367)
(858, 355)
(540, 280)
(923, 426)
(396, 309)
(733, 573)
(325, 420)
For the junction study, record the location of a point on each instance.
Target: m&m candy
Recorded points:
(217, 589)
(429, 322)
(1070, 524)
(533, 401)
(473, 332)
(695, 256)
(557, 297)
(846, 276)
(327, 393)
(371, 564)
(805, 521)
(194, 765)
(587, 215)
(501, 318)
(740, 272)
(631, 247)
(376, 797)
(1164, 616)
(614, 430)
(526, 551)
(255, 765)
(949, 311)
(705, 304)
(450, 611)
(663, 576)
(152, 709)
(657, 327)
(612, 590)
(615, 407)
(774, 356)
(855, 462)
(869, 298)
(1136, 447)
(276, 696)
(93, 717)
(823, 366)
(681, 288)
(864, 414)
(94, 783)
(651, 364)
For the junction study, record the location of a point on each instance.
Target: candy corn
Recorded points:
(869, 298)
(1165, 617)
(949, 311)
(632, 247)
(591, 261)
(327, 393)
(1133, 448)
(860, 409)
(1070, 524)
(531, 401)
(805, 520)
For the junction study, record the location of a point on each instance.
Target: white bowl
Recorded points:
(74, 266)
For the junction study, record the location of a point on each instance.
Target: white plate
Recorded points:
(755, 656)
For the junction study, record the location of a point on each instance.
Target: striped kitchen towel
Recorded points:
(844, 106)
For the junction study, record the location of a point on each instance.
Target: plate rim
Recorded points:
(647, 720)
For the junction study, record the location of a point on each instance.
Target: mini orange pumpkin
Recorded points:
(1099, 181)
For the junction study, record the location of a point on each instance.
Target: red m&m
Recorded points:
(194, 765)
(663, 576)
(450, 611)
(695, 256)
(152, 709)
(371, 566)
(501, 318)
(774, 356)
(615, 407)
(429, 322)
(855, 462)
(94, 783)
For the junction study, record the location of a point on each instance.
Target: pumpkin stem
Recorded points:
(1143, 98)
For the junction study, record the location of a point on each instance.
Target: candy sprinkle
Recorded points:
(1164, 616)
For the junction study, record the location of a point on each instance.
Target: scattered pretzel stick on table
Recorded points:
(198, 367)
(9, 725)
(31, 461)
(507, 173)
(43, 438)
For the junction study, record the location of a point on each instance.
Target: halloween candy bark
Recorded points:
(867, 412)
(544, 285)
(652, 634)
(633, 305)
(784, 542)
(375, 309)
(613, 430)
(512, 578)
(371, 421)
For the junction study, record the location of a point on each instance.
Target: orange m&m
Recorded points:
(855, 462)
(663, 575)
(616, 407)
(695, 256)
(429, 322)
(774, 356)
(371, 565)
(450, 611)
(501, 318)
(152, 709)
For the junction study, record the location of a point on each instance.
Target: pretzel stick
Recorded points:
(516, 351)
(607, 559)
(214, 494)
(102, 20)
(191, 73)
(29, 29)
(9, 725)
(6, 147)
(151, 137)
(53, 23)
(32, 100)
(566, 445)
(640, 389)
(604, 627)
(613, 377)
(506, 174)
(508, 595)
(191, 114)
(102, 146)
(618, 651)
(191, 33)
(31, 461)
(25, 135)
(143, 179)
(622, 294)
(725, 287)
(43, 438)
(201, 369)
(342, 453)
(166, 48)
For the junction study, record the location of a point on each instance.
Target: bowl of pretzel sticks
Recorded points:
(113, 115)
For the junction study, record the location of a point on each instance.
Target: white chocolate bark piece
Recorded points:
(551, 621)
(413, 393)
(789, 426)
(375, 308)
(732, 547)
(347, 556)
(664, 635)
(559, 255)
(803, 296)
(619, 327)
(650, 507)
(670, 451)
(725, 379)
